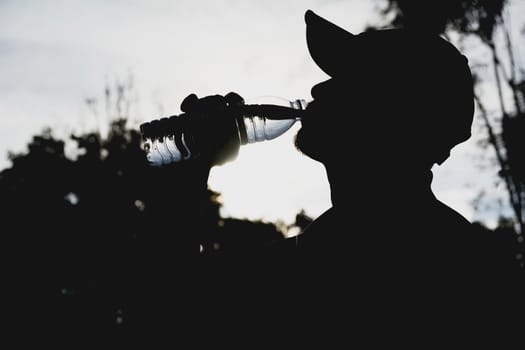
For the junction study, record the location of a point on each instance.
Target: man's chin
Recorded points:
(304, 144)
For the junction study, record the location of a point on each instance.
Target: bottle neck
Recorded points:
(260, 122)
(275, 112)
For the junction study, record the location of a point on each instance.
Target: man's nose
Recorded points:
(319, 89)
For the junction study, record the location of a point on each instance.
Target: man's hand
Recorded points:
(212, 122)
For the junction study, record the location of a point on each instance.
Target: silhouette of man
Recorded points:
(396, 103)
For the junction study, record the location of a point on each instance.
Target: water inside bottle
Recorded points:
(268, 117)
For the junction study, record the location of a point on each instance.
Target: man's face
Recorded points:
(386, 118)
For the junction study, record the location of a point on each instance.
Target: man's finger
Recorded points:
(234, 99)
(189, 103)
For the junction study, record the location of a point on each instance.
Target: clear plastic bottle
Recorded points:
(168, 140)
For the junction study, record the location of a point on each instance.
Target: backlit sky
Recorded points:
(56, 54)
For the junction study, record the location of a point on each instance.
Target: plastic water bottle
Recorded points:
(169, 140)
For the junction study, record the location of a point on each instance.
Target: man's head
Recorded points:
(394, 96)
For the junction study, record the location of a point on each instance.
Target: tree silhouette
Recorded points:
(95, 239)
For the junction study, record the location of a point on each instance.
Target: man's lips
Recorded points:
(309, 112)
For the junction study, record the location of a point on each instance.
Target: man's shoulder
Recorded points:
(447, 215)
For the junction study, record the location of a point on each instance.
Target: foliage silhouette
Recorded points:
(93, 240)
(474, 16)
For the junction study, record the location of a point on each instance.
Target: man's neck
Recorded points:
(375, 188)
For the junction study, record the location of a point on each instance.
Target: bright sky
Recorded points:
(55, 54)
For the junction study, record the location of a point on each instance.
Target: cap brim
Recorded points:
(328, 43)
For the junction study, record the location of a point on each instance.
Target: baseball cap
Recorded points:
(336, 50)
